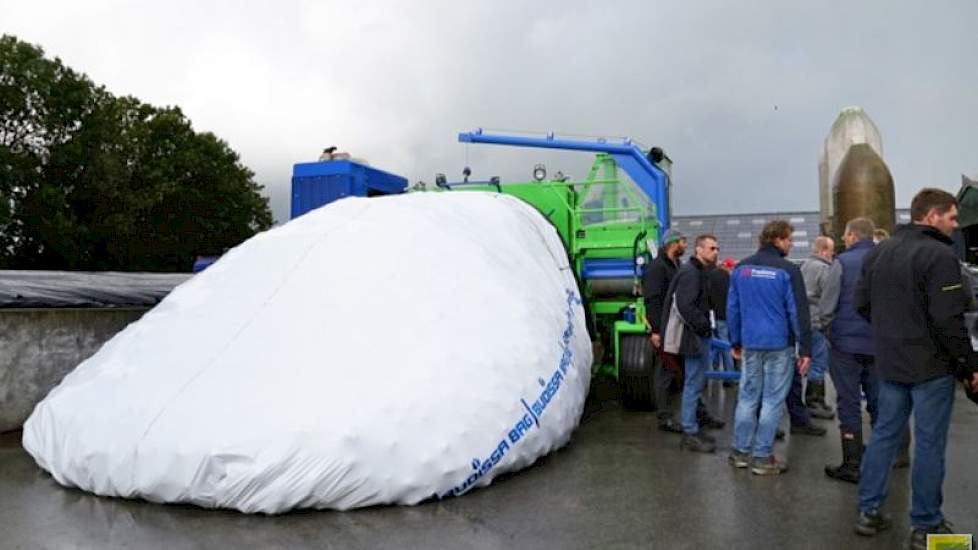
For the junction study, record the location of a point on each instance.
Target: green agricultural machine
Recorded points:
(610, 222)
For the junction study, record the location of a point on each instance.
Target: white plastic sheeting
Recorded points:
(382, 350)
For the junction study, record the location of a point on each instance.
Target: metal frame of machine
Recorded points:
(607, 223)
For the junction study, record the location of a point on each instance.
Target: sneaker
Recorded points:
(767, 466)
(697, 443)
(918, 537)
(738, 459)
(808, 429)
(872, 522)
(671, 426)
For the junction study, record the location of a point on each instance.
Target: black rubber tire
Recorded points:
(635, 380)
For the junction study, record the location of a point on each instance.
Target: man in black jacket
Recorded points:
(911, 292)
(689, 291)
(655, 284)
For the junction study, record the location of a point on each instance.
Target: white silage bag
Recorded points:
(373, 351)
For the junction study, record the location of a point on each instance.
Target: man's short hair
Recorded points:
(862, 228)
(880, 234)
(929, 198)
(775, 229)
(705, 237)
(823, 243)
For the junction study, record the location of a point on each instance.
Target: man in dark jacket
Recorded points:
(655, 285)
(852, 366)
(689, 291)
(767, 312)
(911, 292)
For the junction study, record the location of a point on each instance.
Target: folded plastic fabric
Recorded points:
(383, 350)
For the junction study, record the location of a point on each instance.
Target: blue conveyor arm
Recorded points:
(650, 178)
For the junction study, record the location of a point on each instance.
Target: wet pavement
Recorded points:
(619, 484)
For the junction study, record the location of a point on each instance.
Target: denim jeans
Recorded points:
(820, 356)
(764, 382)
(722, 355)
(696, 366)
(930, 403)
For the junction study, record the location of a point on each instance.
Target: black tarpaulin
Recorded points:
(85, 289)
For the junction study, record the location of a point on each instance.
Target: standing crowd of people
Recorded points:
(884, 319)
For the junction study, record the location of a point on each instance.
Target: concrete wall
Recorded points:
(38, 347)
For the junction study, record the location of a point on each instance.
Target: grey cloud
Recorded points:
(740, 94)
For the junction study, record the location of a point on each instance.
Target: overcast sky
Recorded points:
(740, 94)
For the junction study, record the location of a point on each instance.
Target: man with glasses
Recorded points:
(767, 315)
(689, 328)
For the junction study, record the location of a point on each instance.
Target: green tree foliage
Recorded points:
(92, 181)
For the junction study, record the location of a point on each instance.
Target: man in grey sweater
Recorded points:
(821, 303)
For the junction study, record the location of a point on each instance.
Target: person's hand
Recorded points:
(656, 340)
(737, 353)
(804, 363)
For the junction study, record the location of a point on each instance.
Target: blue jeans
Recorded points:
(696, 366)
(724, 355)
(820, 356)
(930, 403)
(764, 383)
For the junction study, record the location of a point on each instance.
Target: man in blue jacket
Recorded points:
(852, 367)
(767, 314)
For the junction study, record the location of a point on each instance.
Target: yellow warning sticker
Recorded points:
(949, 542)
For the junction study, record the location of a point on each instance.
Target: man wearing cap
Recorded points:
(655, 285)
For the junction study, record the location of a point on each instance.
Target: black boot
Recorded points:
(852, 456)
(815, 400)
(918, 537)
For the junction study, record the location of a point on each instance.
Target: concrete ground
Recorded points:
(619, 484)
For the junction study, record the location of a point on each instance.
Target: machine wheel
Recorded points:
(635, 372)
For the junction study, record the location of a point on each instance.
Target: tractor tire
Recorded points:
(635, 380)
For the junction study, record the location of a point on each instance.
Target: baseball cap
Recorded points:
(672, 236)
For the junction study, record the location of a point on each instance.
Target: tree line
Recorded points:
(92, 181)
